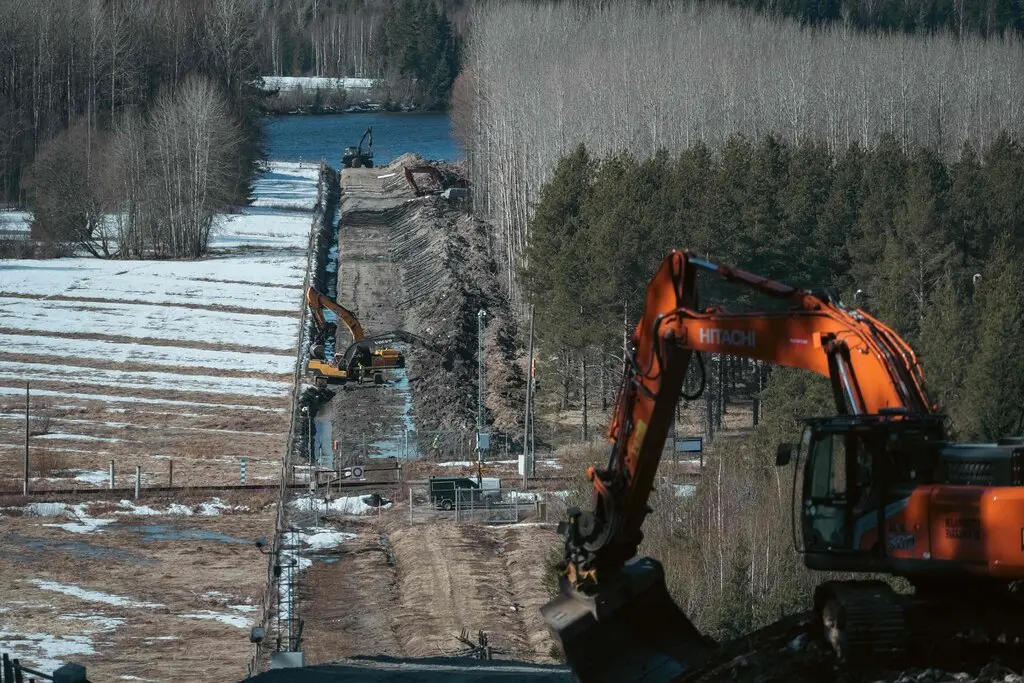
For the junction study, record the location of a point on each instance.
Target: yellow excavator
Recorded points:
(363, 359)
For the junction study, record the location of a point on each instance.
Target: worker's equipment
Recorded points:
(883, 490)
(444, 181)
(355, 157)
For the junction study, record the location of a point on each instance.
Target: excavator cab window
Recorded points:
(826, 498)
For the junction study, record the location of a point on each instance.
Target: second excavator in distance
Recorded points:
(882, 489)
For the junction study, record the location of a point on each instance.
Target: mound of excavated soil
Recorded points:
(448, 275)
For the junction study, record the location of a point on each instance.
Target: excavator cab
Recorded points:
(855, 473)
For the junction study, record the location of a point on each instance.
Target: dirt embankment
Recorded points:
(448, 276)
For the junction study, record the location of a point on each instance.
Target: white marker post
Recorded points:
(243, 471)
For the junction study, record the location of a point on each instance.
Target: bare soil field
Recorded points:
(165, 592)
(408, 590)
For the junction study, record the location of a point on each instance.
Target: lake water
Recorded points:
(312, 138)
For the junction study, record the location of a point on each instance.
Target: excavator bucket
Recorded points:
(630, 630)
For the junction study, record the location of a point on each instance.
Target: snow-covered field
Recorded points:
(101, 340)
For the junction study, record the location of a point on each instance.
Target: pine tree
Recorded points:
(804, 195)
(968, 208)
(917, 249)
(994, 382)
(1004, 168)
(838, 218)
(944, 343)
(556, 277)
(882, 190)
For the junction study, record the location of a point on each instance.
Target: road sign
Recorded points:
(357, 472)
(693, 444)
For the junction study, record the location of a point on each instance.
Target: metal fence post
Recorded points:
(410, 505)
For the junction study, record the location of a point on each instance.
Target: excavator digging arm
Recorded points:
(615, 618)
(360, 351)
(318, 302)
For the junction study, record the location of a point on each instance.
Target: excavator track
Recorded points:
(862, 621)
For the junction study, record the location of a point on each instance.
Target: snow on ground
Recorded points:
(83, 523)
(685, 490)
(91, 595)
(151, 321)
(43, 651)
(14, 222)
(247, 282)
(326, 540)
(314, 82)
(208, 509)
(222, 617)
(287, 186)
(346, 505)
(20, 391)
(256, 269)
(145, 380)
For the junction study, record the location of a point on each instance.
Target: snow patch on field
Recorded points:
(326, 540)
(346, 505)
(144, 380)
(223, 617)
(91, 595)
(212, 508)
(81, 522)
(20, 391)
(48, 348)
(43, 651)
(14, 222)
(315, 82)
(684, 490)
(151, 321)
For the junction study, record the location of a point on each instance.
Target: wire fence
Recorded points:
(495, 506)
(270, 603)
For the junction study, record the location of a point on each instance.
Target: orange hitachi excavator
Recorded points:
(883, 491)
(361, 359)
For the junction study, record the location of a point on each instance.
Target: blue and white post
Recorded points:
(243, 471)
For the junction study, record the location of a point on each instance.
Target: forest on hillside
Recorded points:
(697, 72)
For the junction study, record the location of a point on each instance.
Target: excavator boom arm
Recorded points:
(871, 369)
(318, 302)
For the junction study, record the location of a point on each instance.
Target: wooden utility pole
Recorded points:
(24, 488)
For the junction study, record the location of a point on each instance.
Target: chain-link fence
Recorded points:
(440, 445)
(481, 505)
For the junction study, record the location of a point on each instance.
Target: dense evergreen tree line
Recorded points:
(984, 17)
(936, 248)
